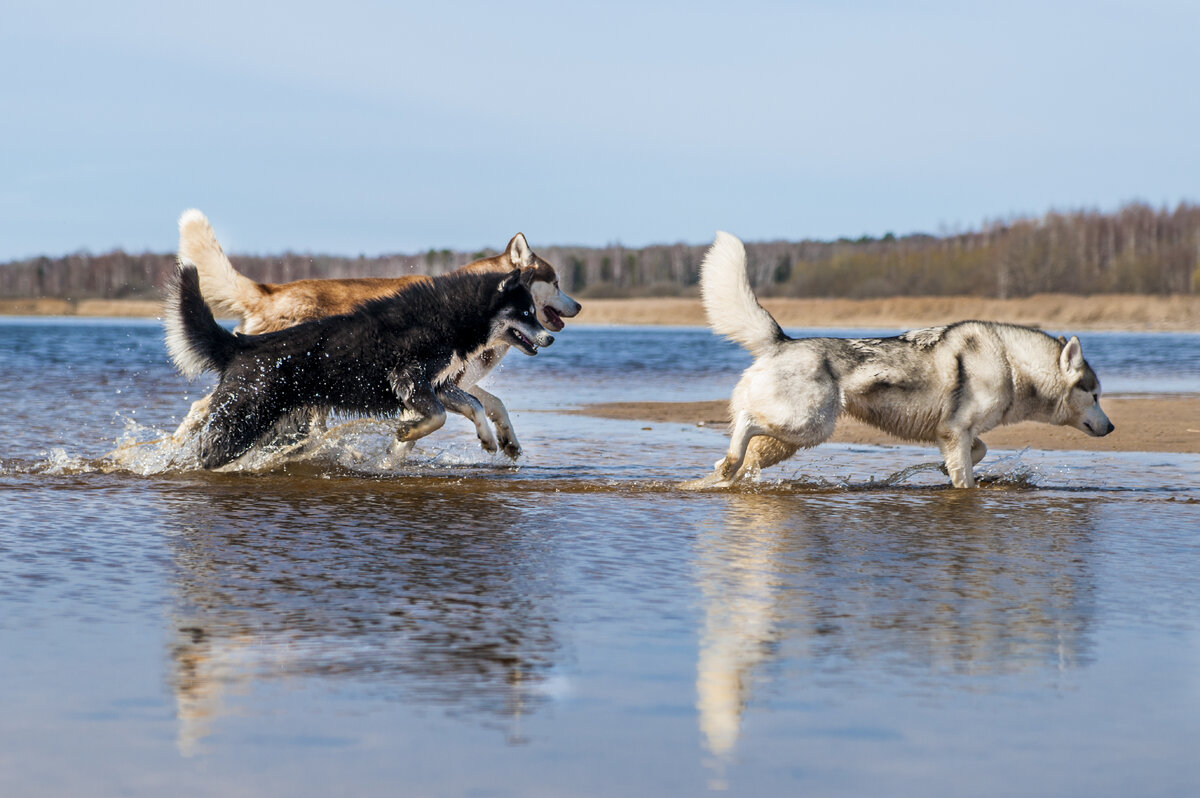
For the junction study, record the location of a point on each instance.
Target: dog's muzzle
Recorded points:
(551, 318)
(530, 343)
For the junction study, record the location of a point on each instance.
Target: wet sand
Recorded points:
(1156, 424)
(1051, 311)
(1117, 312)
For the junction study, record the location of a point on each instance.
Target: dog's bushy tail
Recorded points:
(733, 310)
(222, 286)
(195, 342)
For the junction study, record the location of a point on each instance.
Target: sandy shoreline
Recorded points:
(1051, 311)
(1157, 424)
(92, 308)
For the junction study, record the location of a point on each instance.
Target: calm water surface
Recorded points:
(330, 622)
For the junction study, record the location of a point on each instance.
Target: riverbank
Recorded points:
(1143, 424)
(95, 308)
(1117, 312)
(1050, 311)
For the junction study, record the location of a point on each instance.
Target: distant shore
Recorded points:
(1124, 312)
(113, 308)
(1127, 312)
(1154, 424)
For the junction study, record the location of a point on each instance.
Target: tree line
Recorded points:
(1136, 249)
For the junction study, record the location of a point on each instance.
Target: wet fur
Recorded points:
(269, 307)
(396, 354)
(943, 385)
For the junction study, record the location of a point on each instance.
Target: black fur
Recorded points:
(203, 335)
(383, 358)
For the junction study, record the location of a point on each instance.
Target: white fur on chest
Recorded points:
(471, 369)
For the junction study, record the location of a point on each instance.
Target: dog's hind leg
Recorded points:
(498, 413)
(463, 403)
(234, 426)
(744, 428)
(399, 450)
(765, 451)
(194, 420)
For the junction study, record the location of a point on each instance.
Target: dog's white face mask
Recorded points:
(516, 322)
(552, 304)
(1083, 402)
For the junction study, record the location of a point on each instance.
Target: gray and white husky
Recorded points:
(945, 385)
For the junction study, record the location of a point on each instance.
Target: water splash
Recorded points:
(58, 462)
(359, 447)
(1008, 471)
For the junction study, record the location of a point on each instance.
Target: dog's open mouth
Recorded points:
(522, 341)
(554, 321)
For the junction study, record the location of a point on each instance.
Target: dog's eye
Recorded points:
(525, 313)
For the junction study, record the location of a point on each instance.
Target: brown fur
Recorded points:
(266, 307)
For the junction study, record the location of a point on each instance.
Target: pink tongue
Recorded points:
(553, 316)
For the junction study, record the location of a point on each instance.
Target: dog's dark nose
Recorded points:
(549, 340)
(1111, 427)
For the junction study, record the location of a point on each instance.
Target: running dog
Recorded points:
(398, 354)
(945, 385)
(268, 307)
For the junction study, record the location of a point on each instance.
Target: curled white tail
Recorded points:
(733, 310)
(223, 287)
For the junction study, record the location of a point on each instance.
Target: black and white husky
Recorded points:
(397, 354)
(945, 385)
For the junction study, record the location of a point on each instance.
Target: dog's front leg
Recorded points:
(957, 448)
(498, 413)
(463, 403)
(978, 451)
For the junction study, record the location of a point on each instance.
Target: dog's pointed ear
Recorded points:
(510, 281)
(519, 253)
(527, 276)
(1062, 339)
(1071, 358)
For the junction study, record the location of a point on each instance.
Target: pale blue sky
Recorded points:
(367, 127)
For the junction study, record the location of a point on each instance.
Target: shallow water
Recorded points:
(328, 621)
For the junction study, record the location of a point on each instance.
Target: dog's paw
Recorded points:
(489, 444)
(406, 432)
(510, 447)
(397, 454)
(710, 482)
(727, 470)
